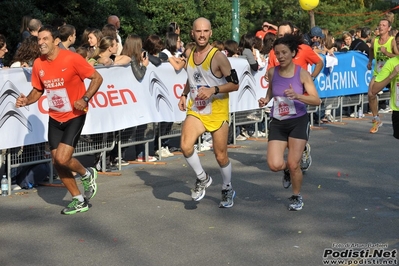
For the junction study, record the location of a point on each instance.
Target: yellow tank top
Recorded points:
(379, 57)
(212, 112)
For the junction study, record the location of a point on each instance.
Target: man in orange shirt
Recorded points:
(61, 74)
(305, 56)
(266, 28)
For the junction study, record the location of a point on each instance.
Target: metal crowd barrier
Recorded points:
(246, 118)
(142, 134)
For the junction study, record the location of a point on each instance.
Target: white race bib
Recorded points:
(283, 107)
(200, 106)
(58, 100)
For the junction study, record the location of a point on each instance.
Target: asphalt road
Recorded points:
(145, 215)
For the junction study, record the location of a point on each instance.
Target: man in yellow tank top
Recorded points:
(210, 79)
(382, 48)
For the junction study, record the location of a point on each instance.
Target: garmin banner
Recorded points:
(345, 74)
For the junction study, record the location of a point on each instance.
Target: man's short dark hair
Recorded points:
(53, 31)
(65, 31)
(287, 23)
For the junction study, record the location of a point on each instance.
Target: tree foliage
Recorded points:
(144, 17)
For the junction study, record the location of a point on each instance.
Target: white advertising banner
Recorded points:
(121, 101)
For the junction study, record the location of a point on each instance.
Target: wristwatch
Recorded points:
(86, 99)
(216, 90)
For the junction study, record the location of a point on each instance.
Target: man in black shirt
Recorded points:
(360, 44)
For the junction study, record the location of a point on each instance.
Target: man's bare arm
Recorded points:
(32, 97)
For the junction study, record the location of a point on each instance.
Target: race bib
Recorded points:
(58, 100)
(283, 108)
(201, 106)
(380, 65)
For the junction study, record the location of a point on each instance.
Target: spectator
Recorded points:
(314, 39)
(174, 27)
(67, 37)
(231, 48)
(172, 45)
(258, 44)
(189, 47)
(339, 45)
(3, 49)
(266, 28)
(105, 53)
(24, 30)
(218, 44)
(26, 53)
(34, 26)
(360, 44)
(94, 37)
(84, 41)
(347, 38)
(245, 50)
(83, 52)
(154, 45)
(133, 49)
(114, 20)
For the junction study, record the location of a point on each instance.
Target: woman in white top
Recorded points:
(172, 45)
(26, 53)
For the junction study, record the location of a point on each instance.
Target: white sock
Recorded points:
(86, 174)
(377, 117)
(195, 163)
(79, 197)
(226, 175)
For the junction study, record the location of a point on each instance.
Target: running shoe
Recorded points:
(296, 203)
(306, 158)
(286, 179)
(198, 192)
(89, 183)
(376, 126)
(76, 206)
(227, 198)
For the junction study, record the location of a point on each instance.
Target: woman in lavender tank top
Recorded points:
(291, 89)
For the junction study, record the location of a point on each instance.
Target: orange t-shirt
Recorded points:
(261, 33)
(306, 56)
(63, 81)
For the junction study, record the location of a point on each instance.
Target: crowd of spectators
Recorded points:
(105, 46)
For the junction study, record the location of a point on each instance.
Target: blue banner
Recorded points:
(349, 76)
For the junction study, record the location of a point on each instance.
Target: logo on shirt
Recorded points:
(41, 73)
(197, 76)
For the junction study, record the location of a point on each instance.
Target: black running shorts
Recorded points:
(297, 128)
(395, 124)
(65, 132)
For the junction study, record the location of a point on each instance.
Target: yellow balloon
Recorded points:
(308, 4)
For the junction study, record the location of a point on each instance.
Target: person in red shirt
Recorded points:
(306, 56)
(61, 74)
(266, 27)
